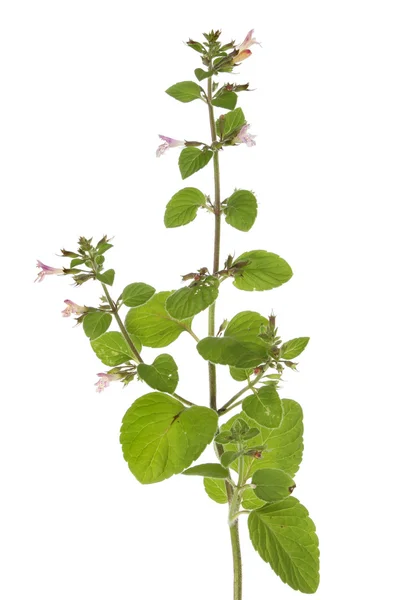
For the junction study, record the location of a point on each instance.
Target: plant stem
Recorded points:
(232, 494)
(248, 387)
(181, 399)
(217, 235)
(121, 324)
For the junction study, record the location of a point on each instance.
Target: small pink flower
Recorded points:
(45, 270)
(73, 309)
(167, 143)
(104, 380)
(243, 49)
(244, 137)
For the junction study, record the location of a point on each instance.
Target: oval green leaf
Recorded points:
(191, 300)
(215, 489)
(137, 294)
(250, 500)
(161, 375)
(183, 207)
(192, 160)
(264, 271)
(241, 210)
(284, 536)
(112, 349)
(272, 485)
(294, 347)
(185, 91)
(229, 351)
(264, 406)
(96, 323)
(225, 100)
(107, 277)
(152, 323)
(246, 325)
(160, 437)
(284, 446)
(213, 470)
(233, 122)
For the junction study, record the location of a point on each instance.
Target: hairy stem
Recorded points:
(248, 387)
(232, 494)
(217, 236)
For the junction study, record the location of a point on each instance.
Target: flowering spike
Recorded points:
(46, 270)
(167, 143)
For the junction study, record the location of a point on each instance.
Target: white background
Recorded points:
(82, 101)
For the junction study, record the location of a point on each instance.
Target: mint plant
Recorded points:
(259, 449)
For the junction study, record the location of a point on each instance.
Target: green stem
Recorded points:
(217, 236)
(181, 399)
(121, 324)
(248, 387)
(237, 560)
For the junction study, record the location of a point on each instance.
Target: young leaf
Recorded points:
(213, 470)
(107, 277)
(137, 294)
(152, 323)
(265, 271)
(223, 438)
(293, 348)
(264, 407)
(96, 323)
(226, 100)
(240, 374)
(272, 485)
(233, 121)
(215, 489)
(112, 349)
(228, 457)
(201, 74)
(245, 326)
(284, 536)
(183, 207)
(161, 375)
(284, 446)
(241, 210)
(160, 437)
(192, 160)
(229, 351)
(191, 300)
(185, 91)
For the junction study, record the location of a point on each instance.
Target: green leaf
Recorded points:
(160, 437)
(226, 100)
(272, 485)
(152, 323)
(233, 121)
(96, 323)
(265, 271)
(191, 300)
(185, 91)
(183, 207)
(284, 445)
(215, 489)
(240, 374)
(201, 74)
(107, 277)
(104, 247)
(293, 348)
(112, 349)
(223, 438)
(264, 406)
(137, 294)
(192, 160)
(284, 536)
(213, 470)
(228, 457)
(250, 500)
(161, 375)
(246, 325)
(241, 210)
(229, 351)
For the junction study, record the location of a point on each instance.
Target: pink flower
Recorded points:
(73, 309)
(244, 137)
(243, 49)
(104, 380)
(45, 270)
(168, 143)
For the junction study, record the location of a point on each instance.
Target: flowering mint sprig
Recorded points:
(259, 449)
